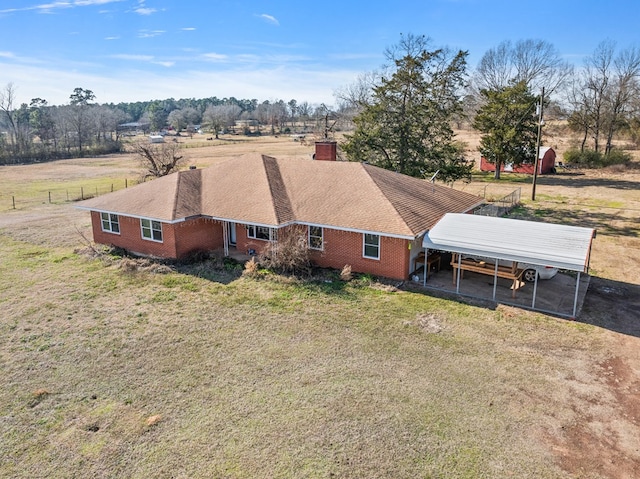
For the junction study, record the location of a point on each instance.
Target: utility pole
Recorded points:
(537, 162)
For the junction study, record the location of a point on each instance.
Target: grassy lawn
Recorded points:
(200, 373)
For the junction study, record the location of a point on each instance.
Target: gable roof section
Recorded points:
(162, 199)
(262, 190)
(239, 189)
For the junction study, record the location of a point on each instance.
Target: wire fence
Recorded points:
(501, 206)
(60, 194)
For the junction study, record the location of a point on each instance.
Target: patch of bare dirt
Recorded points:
(600, 435)
(603, 437)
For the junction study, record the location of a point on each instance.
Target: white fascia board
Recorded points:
(128, 215)
(354, 230)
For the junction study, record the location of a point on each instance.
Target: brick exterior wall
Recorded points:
(344, 247)
(177, 239)
(340, 247)
(200, 234)
(244, 243)
(326, 151)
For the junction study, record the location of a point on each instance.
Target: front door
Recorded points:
(232, 234)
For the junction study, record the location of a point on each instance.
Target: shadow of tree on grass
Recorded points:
(605, 222)
(580, 180)
(612, 305)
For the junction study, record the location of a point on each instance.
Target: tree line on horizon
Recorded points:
(400, 117)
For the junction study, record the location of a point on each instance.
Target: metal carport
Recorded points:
(561, 246)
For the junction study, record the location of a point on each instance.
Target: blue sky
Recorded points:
(137, 50)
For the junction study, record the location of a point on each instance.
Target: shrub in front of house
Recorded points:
(289, 255)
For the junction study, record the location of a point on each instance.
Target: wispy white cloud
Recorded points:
(167, 64)
(145, 11)
(112, 38)
(354, 56)
(315, 85)
(51, 7)
(216, 57)
(312, 85)
(142, 9)
(269, 19)
(188, 29)
(11, 56)
(137, 58)
(150, 33)
(250, 58)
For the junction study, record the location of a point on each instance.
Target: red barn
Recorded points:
(546, 165)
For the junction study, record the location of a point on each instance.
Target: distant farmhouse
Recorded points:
(134, 128)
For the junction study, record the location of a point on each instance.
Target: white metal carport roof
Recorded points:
(560, 246)
(546, 244)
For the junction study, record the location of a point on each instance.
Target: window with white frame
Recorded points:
(110, 223)
(260, 232)
(371, 248)
(151, 230)
(316, 240)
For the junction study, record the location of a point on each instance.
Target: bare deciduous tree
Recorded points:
(159, 159)
(537, 63)
(603, 94)
(218, 116)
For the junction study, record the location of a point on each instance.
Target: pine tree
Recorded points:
(407, 125)
(509, 125)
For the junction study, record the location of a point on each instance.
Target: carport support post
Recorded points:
(495, 280)
(458, 278)
(426, 255)
(535, 289)
(575, 298)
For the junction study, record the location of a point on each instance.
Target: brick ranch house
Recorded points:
(353, 213)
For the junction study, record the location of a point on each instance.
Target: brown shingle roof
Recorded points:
(264, 190)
